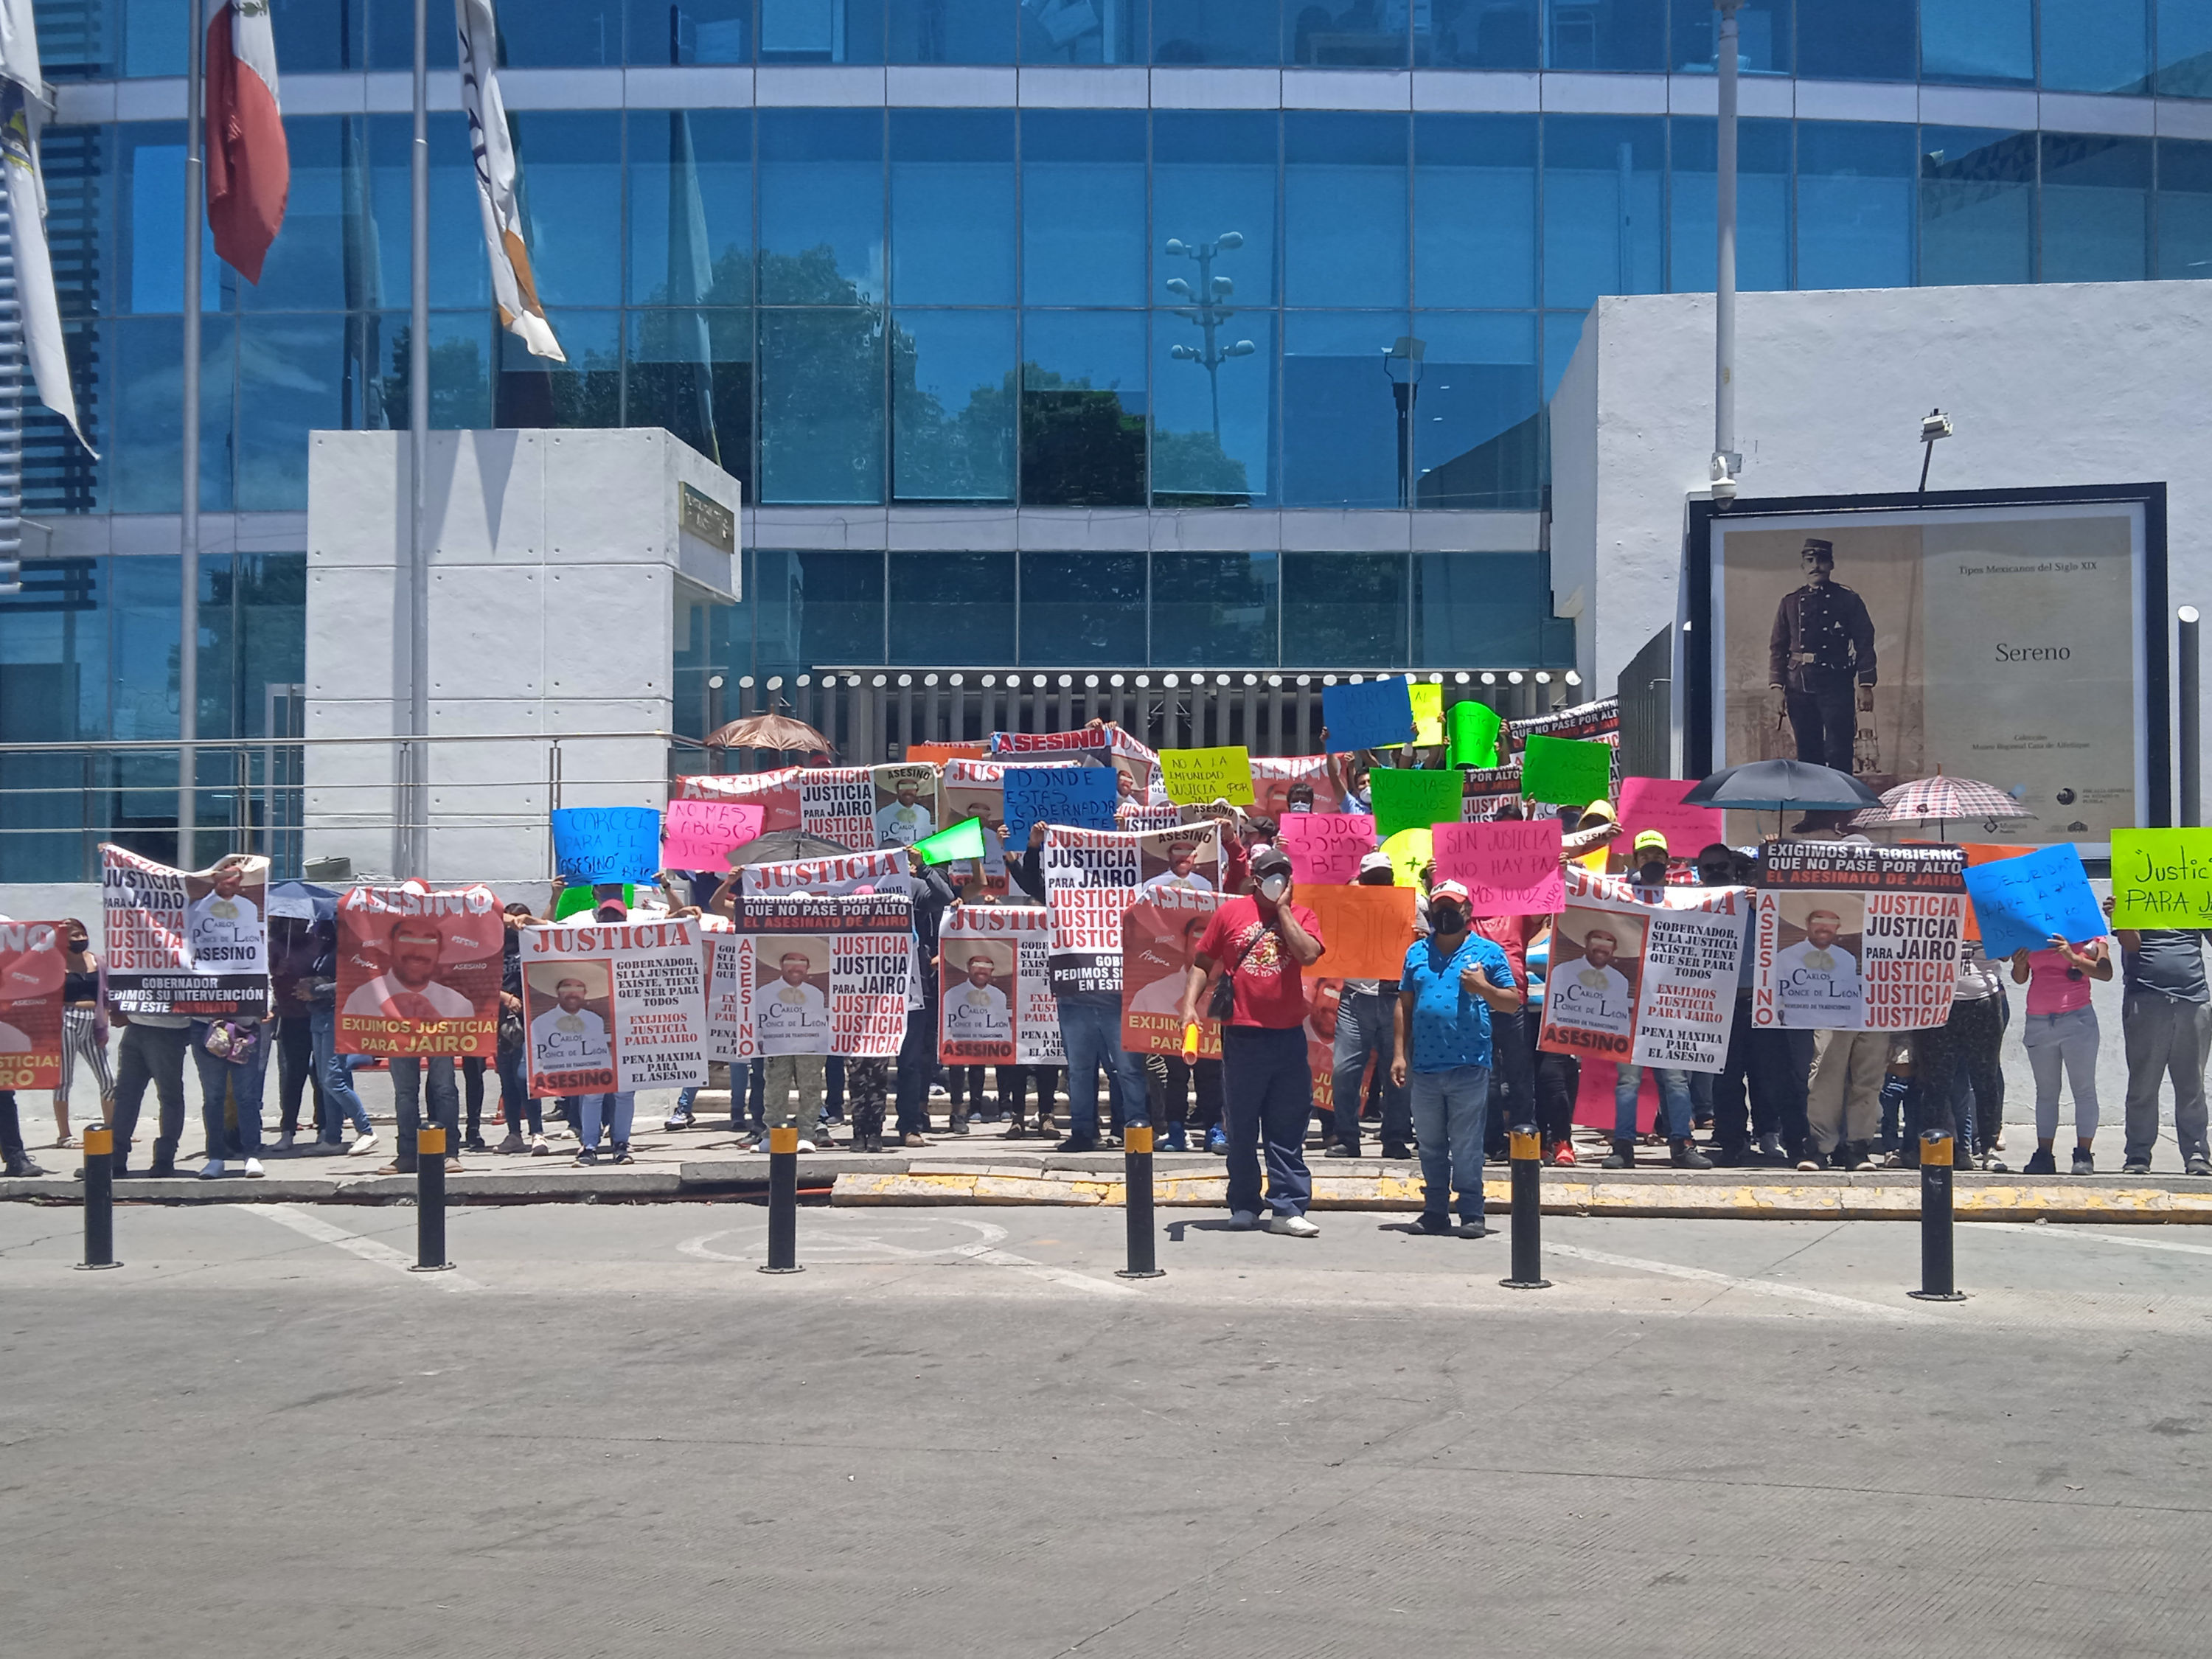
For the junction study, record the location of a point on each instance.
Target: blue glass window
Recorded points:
(572, 203)
(1478, 412)
(1762, 237)
(585, 391)
(1607, 34)
(1345, 610)
(1475, 209)
(1855, 205)
(1603, 189)
(145, 384)
(1762, 45)
(1341, 416)
(1083, 610)
(461, 370)
(691, 370)
(1083, 410)
(952, 31)
(2096, 45)
(1344, 209)
(459, 275)
(822, 405)
(1856, 39)
(1214, 610)
(1360, 36)
(149, 223)
(690, 207)
(1213, 397)
(293, 372)
(821, 31)
(690, 31)
(1214, 32)
(838, 598)
(153, 33)
(1213, 194)
(2184, 209)
(390, 37)
(2184, 33)
(313, 36)
(953, 207)
(1491, 35)
(1083, 207)
(1987, 40)
(821, 207)
(2096, 209)
(952, 607)
(1977, 206)
(1562, 335)
(1082, 31)
(1482, 610)
(952, 405)
(307, 265)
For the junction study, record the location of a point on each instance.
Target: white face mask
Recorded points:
(1274, 886)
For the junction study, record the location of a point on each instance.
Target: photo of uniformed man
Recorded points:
(1820, 660)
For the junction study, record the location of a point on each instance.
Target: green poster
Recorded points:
(2161, 878)
(964, 840)
(1566, 771)
(1408, 799)
(1474, 728)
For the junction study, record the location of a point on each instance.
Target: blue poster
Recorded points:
(2020, 902)
(1373, 715)
(606, 844)
(1077, 797)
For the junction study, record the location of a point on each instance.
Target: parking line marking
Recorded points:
(369, 1249)
(2060, 1230)
(1730, 1281)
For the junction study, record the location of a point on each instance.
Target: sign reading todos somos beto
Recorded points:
(1643, 976)
(419, 971)
(1092, 876)
(996, 1007)
(614, 1007)
(806, 976)
(1854, 938)
(187, 942)
(31, 1004)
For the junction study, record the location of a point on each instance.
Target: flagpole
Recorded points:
(188, 619)
(416, 796)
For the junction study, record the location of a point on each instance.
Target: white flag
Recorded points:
(513, 287)
(20, 89)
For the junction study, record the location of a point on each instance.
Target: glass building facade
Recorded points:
(1060, 333)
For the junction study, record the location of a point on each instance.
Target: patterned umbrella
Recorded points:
(1938, 800)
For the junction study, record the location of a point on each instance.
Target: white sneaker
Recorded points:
(1242, 1221)
(1295, 1226)
(254, 1169)
(284, 1141)
(210, 1169)
(540, 1147)
(364, 1144)
(806, 1146)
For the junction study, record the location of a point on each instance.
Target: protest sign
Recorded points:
(1488, 790)
(1273, 777)
(965, 839)
(699, 835)
(593, 844)
(418, 971)
(1474, 728)
(1324, 847)
(1159, 936)
(575, 901)
(976, 789)
(732, 1037)
(1509, 868)
(1098, 745)
(1427, 701)
(179, 942)
(1195, 777)
(1566, 771)
(937, 754)
(2162, 878)
(1365, 930)
(1410, 849)
(816, 976)
(31, 971)
(1372, 714)
(838, 803)
(906, 803)
(1092, 875)
(824, 876)
(776, 794)
(1129, 815)
(1643, 976)
(615, 1006)
(1406, 798)
(1857, 937)
(995, 1006)
(2019, 903)
(1657, 803)
(1980, 853)
(1080, 797)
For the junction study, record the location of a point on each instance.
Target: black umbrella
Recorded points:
(1781, 786)
(781, 847)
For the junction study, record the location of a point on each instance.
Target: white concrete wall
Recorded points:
(26, 901)
(555, 557)
(2049, 384)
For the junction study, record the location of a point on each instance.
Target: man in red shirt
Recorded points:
(1263, 942)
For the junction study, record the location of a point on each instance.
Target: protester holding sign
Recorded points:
(2166, 1023)
(2061, 1033)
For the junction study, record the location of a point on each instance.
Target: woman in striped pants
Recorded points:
(84, 1029)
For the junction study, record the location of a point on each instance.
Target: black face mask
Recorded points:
(1448, 918)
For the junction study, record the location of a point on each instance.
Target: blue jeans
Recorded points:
(242, 1082)
(407, 1089)
(1267, 1094)
(1091, 1031)
(613, 1110)
(1673, 1102)
(917, 1068)
(1363, 1028)
(1450, 1109)
(341, 1104)
(515, 1099)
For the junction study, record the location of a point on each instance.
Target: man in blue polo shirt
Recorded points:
(1452, 980)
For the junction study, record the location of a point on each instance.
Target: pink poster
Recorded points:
(1510, 866)
(1324, 847)
(698, 835)
(1657, 803)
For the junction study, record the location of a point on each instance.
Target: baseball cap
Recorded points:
(1376, 860)
(1451, 890)
(621, 910)
(1268, 860)
(1651, 839)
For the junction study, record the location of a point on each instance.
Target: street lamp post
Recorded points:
(1402, 364)
(1206, 311)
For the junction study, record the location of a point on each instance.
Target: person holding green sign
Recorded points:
(2166, 1022)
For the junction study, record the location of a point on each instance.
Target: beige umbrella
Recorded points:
(778, 732)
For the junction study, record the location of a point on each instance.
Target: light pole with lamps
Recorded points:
(1206, 311)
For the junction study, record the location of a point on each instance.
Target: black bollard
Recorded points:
(1935, 1273)
(1528, 1155)
(783, 1201)
(430, 1200)
(98, 1199)
(1137, 1203)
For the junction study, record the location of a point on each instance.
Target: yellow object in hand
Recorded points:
(1190, 1041)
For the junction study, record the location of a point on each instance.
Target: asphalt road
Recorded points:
(957, 1433)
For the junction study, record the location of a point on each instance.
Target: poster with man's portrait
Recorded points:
(906, 803)
(1589, 991)
(791, 994)
(1819, 982)
(418, 971)
(1159, 939)
(570, 1009)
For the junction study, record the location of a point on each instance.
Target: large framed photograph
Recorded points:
(2018, 637)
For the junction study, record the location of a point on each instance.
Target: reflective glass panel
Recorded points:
(1082, 31)
(821, 207)
(1215, 32)
(585, 391)
(1603, 189)
(1083, 207)
(571, 195)
(692, 373)
(2096, 209)
(1083, 609)
(1855, 205)
(690, 31)
(1762, 47)
(1213, 395)
(1213, 609)
(952, 607)
(2184, 209)
(1083, 410)
(1607, 35)
(459, 275)
(1475, 209)
(317, 261)
(953, 207)
(293, 378)
(1762, 236)
(2183, 36)
(1977, 206)
(1563, 333)
(2096, 45)
(1343, 408)
(1344, 209)
(268, 605)
(1213, 180)
(1345, 610)
(573, 34)
(952, 405)
(149, 223)
(839, 598)
(690, 207)
(145, 383)
(822, 405)
(315, 36)
(951, 31)
(1492, 34)
(1479, 609)
(1990, 40)
(1856, 39)
(821, 31)
(390, 37)
(461, 370)
(1478, 415)
(1360, 35)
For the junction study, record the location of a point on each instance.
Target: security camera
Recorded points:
(1934, 425)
